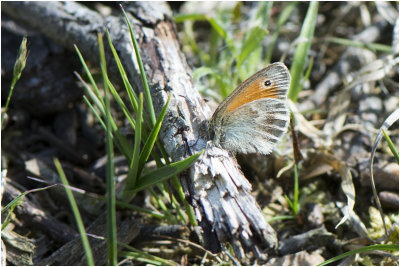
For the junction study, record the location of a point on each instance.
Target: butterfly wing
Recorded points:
(254, 116)
(255, 127)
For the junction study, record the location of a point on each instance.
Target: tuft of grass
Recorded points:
(146, 130)
(97, 105)
(153, 137)
(237, 60)
(165, 172)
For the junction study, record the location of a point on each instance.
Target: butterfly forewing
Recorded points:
(271, 82)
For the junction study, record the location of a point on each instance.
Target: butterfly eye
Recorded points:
(267, 83)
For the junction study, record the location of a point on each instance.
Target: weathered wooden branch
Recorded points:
(30, 213)
(73, 253)
(216, 188)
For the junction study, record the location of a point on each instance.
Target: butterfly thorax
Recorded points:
(213, 131)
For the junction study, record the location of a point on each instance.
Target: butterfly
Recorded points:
(255, 116)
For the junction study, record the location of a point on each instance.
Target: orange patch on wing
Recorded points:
(253, 91)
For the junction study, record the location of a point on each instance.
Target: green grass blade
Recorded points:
(160, 203)
(142, 256)
(250, 55)
(189, 209)
(16, 201)
(18, 68)
(284, 15)
(301, 52)
(290, 203)
(121, 104)
(221, 31)
(250, 44)
(215, 53)
(188, 23)
(165, 172)
(282, 218)
(184, 17)
(155, 214)
(131, 179)
(96, 114)
(7, 220)
(391, 146)
(203, 71)
(296, 191)
(165, 196)
(361, 250)
(148, 146)
(142, 72)
(92, 95)
(372, 46)
(218, 28)
(264, 12)
(77, 215)
(122, 144)
(132, 96)
(96, 89)
(164, 189)
(190, 35)
(307, 74)
(138, 137)
(20, 196)
(95, 95)
(295, 204)
(179, 211)
(110, 187)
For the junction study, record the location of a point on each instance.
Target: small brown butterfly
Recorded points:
(254, 117)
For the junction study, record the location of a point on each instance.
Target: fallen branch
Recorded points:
(215, 186)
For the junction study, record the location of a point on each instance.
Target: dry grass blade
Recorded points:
(388, 122)
(305, 127)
